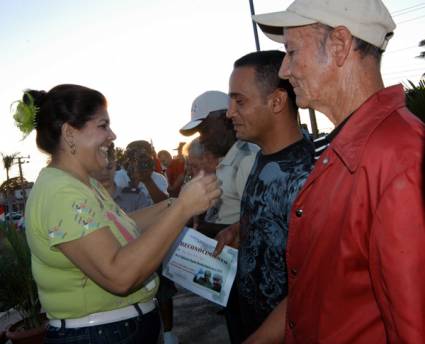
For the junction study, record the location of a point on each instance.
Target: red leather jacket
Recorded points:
(356, 245)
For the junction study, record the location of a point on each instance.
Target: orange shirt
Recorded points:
(174, 170)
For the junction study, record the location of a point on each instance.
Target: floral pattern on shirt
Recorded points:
(270, 190)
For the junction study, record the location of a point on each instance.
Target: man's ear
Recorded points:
(278, 100)
(341, 42)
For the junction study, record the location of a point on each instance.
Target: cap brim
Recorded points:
(272, 24)
(190, 128)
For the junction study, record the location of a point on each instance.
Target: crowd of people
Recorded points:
(329, 233)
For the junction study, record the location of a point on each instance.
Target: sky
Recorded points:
(150, 58)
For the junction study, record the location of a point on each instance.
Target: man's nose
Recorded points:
(231, 110)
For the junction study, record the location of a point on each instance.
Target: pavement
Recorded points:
(196, 320)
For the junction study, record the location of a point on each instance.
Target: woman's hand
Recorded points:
(199, 194)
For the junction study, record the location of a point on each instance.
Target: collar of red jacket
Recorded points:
(350, 143)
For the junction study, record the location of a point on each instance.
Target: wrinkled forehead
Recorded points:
(300, 34)
(291, 31)
(288, 33)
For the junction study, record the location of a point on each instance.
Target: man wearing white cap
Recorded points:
(208, 117)
(355, 249)
(218, 137)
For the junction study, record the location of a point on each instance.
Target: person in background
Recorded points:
(263, 111)
(129, 198)
(106, 176)
(217, 135)
(355, 249)
(2, 211)
(179, 150)
(121, 177)
(157, 163)
(173, 169)
(104, 270)
(153, 186)
(132, 198)
(165, 160)
(197, 160)
(141, 164)
(193, 153)
(235, 159)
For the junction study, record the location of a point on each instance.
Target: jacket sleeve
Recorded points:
(397, 257)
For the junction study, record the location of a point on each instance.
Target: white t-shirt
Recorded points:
(121, 178)
(233, 171)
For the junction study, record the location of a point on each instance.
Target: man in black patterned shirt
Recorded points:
(263, 111)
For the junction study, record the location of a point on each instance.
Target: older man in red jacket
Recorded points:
(355, 249)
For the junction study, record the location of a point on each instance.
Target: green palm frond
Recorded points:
(415, 98)
(8, 162)
(17, 286)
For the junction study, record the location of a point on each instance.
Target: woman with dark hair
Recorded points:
(94, 265)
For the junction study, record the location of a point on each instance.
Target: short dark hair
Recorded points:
(266, 65)
(72, 104)
(138, 149)
(141, 146)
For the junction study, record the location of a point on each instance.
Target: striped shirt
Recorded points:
(320, 145)
(322, 142)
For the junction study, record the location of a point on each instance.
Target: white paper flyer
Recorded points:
(190, 264)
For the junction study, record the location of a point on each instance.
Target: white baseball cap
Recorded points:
(202, 106)
(368, 20)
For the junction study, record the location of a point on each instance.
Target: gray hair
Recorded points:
(193, 149)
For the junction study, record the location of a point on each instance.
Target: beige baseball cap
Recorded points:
(368, 20)
(202, 106)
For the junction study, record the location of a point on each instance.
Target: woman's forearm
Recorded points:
(148, 251)
(145, 217)
(120, 269)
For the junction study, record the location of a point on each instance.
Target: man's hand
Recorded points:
(145, 176)
(272, 330)
(228, 236)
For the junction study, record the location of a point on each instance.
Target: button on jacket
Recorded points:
(356, 245)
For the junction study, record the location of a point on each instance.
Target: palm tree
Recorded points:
(8, 162)
(422, 53)
(120, 156)
(415, 98)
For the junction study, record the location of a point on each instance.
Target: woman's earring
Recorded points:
(72, 148)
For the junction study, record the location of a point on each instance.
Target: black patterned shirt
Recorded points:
(270, 190)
